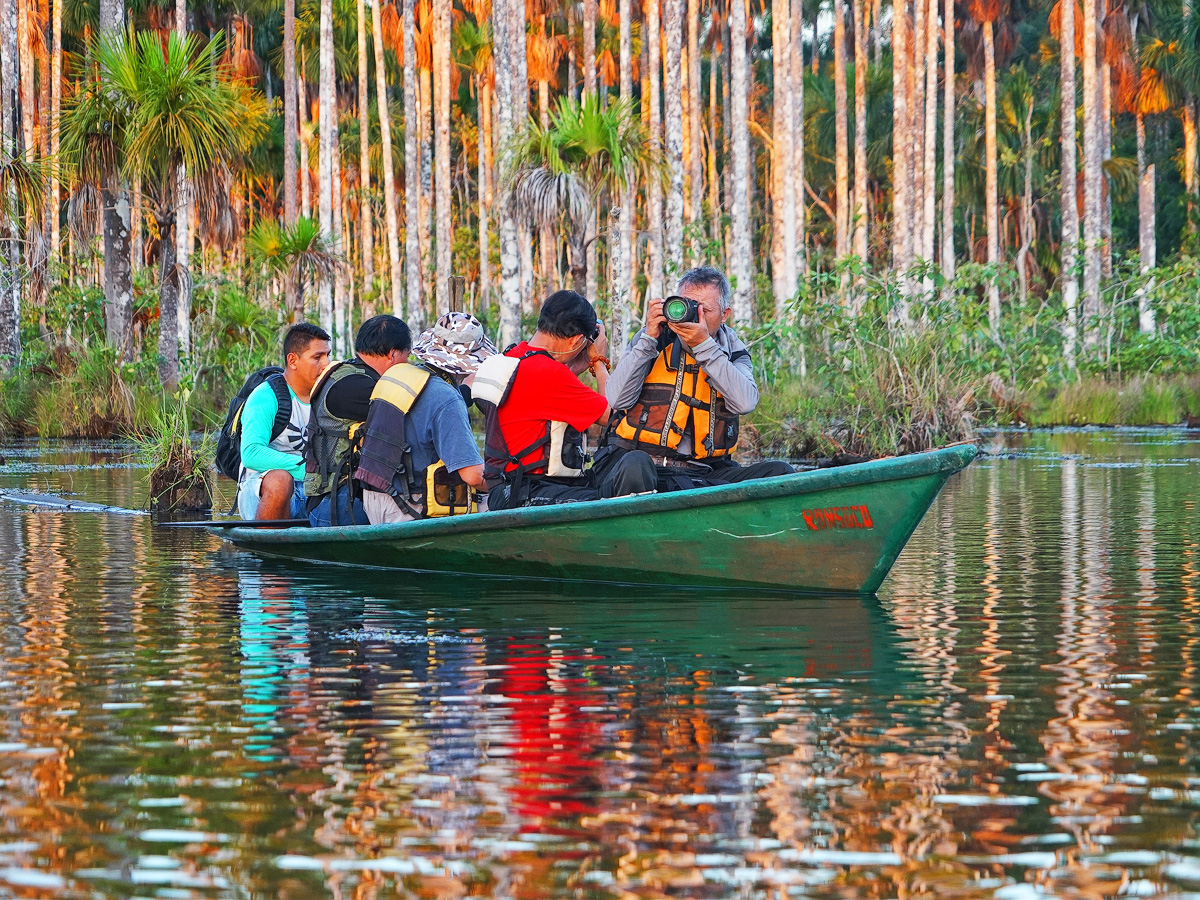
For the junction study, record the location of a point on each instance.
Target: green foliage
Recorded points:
(180, 469)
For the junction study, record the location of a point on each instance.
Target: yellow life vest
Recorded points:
(432, 493)
(677, 400)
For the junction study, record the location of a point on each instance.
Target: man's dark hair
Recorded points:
(380, 335)
(299, 336)
(566, 314)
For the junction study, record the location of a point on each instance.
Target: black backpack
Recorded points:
(229, 443)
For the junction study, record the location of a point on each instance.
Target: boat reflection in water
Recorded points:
(1014, 717)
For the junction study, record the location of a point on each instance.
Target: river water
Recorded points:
(1015, 716)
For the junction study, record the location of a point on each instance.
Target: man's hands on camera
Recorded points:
(599, 347)
(693, 333)
(655, 318)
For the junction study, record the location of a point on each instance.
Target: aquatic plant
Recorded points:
(181, 469)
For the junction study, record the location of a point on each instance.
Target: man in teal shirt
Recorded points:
(271, 484)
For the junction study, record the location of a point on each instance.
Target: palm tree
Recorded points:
(589, 46)
(948, 111)
(1092, 184)
(365, 237)
(841, 149)
(986, 13)
(738, 189)
(412, 169)
(294, 253)
(654, 199)
(797, 39)
(474, 41)
(508, 41)
(290, 110)
(585, 158)
(179, 109)
(901, 131)
(389, 174)
(441, 117)
(623, 268)
(327, 130)
(673, 95)
(783, 256)
(858, 215)
(695, 147)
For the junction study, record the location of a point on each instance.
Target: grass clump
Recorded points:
(181, 471)
(1140, 401)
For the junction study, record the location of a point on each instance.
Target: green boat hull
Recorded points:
(830, 530)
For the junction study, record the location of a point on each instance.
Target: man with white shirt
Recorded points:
(271, 485)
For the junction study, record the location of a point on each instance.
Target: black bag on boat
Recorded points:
(229, 442)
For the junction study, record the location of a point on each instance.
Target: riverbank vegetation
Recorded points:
(934, 215)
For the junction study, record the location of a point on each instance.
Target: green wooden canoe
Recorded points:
(834, 530)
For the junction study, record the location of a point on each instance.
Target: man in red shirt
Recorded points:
(535, 452)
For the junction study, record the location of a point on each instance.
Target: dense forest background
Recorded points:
(931, 213)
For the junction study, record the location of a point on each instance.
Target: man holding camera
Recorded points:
(681, 387)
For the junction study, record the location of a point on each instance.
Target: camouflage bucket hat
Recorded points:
(456, 343)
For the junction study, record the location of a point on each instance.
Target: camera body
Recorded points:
(680, 310)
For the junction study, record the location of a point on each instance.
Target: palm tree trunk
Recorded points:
(929, 219)
(326, 126)
(425, 222)
(1069, 283)
(1146, 228)
(291, 101)
(695, 126)
(654, 199)
(412, 170)
(992, 189)
(589, 46)
(783, 205)
(948, 157)
(55, 120)
(901, 236)
(1026, 204)
(916, 133)
(798, 134)
(484, 168)
(168, 307)
(673, 95)
(365, 219)
(441, 112)
(841, 159)
(10, 257)
(743, 291)
(183, 225)
(1106, 155)
(341, 342)
(302, 126)
(505, 47)
(1092, 200)
(623, 265)
(1191, 184)
(714, 130)
(118, 273)
(25, 48)
(389, 175)
(859, 205)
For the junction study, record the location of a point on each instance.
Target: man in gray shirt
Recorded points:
(680, 389)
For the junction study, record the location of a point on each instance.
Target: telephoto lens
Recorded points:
(679, 310)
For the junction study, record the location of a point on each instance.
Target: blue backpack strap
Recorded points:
(283, 396)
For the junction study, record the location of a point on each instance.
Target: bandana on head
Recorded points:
(456, 343)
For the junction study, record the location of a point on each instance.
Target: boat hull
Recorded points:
(835, 530)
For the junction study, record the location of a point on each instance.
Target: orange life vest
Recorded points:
(677, 400)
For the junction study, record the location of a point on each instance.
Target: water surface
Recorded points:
(1013, 717)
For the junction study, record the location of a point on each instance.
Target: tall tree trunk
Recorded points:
(589, 46)
(901, 236)
(1105, 156)
(326, 125)
(291, 101)
(673, 95)
(183, 225)
(801, 266)
(118, 273)
(425, 222)
(991, 188)
(365, 238)
(858, 214)
(168, 302)
(714, 133)
(1026, 203)
(743, 290)
(441, 113)
(929, 190)
(695, 128)
(25, 48)
(948, 156)
(484, 168)
(505, 47)
(1092, 200)
(10, 243)
(1191, 184)
(654, 198)
(783, 206)
(1068, 280)
(1146, 229)
(56, 58)
(841, 158)
(389, 176)
(412, 170)
(623, 266)
(916, 132)
(304, 133)
(341, 342)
